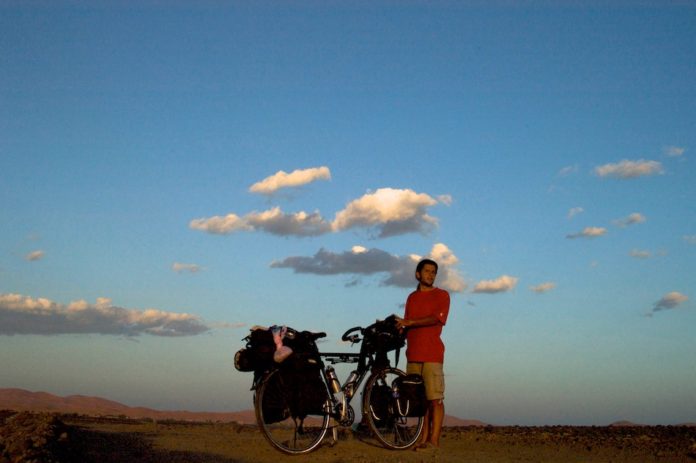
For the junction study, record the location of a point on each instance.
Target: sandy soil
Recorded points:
(69, 438)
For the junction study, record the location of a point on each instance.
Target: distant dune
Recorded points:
(625, 423)
(23, 400)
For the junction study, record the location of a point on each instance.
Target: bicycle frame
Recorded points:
(368, 361)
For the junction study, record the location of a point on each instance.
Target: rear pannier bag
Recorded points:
(409, 395)
(307, 391)
(275, 401)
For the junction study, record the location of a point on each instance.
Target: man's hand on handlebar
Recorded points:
(401, 323)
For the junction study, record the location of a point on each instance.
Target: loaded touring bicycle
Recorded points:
(298, 397)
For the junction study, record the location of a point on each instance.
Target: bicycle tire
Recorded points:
(393, 431)
(286, 433)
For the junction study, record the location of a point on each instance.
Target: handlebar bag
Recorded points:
(384, 335)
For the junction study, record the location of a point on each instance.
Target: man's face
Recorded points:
(426, 276)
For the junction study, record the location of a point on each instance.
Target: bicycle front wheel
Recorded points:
(290, 434)
(393, 431)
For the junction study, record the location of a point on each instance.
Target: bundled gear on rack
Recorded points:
(299, 386)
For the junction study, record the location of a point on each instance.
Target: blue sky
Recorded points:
(175, 173)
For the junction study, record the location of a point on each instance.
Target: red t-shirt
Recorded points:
(424, 343)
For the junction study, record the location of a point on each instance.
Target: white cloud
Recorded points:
(26, 315)
(296, 178)
(629, 169)
(588, 232)
(691, 239)
(35, 255)
(273, 221)
(543, 287)
(640, 254)
(566, 171)
(445, 199)
(499, 285)
(572, 212)
(449, 276)
(179, 267)
(276, 222)
(391, 211)
(220, 225)
(673, 151)
(670, 301)
(399, 270)
(632, 219)
(388, 211)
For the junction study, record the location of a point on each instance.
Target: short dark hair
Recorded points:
(425, 262)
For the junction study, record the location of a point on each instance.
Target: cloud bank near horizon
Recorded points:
(21, 314)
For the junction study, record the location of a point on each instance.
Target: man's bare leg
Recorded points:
(437, 410)
(427, 426)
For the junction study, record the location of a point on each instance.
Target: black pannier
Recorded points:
(275, 401)
(298, 388)
(307, 394)
(258, 354)
(244, 360)
(380, 404)
(409, 395)
(302, 373)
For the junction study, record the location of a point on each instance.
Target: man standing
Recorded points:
(425, 315)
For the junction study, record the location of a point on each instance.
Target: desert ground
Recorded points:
(58, 438)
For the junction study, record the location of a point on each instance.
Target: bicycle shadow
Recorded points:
(361, 434)
(91, 446)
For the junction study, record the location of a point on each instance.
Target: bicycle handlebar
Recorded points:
(354, 338)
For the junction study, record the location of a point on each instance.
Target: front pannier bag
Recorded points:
(380, 401)
(409, 395)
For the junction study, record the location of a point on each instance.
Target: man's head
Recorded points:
(426, 271)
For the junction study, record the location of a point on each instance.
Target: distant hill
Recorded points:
(624, 423)
(23, 400)
(454, 421)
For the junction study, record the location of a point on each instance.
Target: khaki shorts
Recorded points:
(433, 377)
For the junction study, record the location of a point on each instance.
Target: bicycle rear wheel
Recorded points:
(292, 435)
(393, 431)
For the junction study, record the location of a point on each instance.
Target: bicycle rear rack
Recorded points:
(340, 357)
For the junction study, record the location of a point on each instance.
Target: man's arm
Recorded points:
(416, 322)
